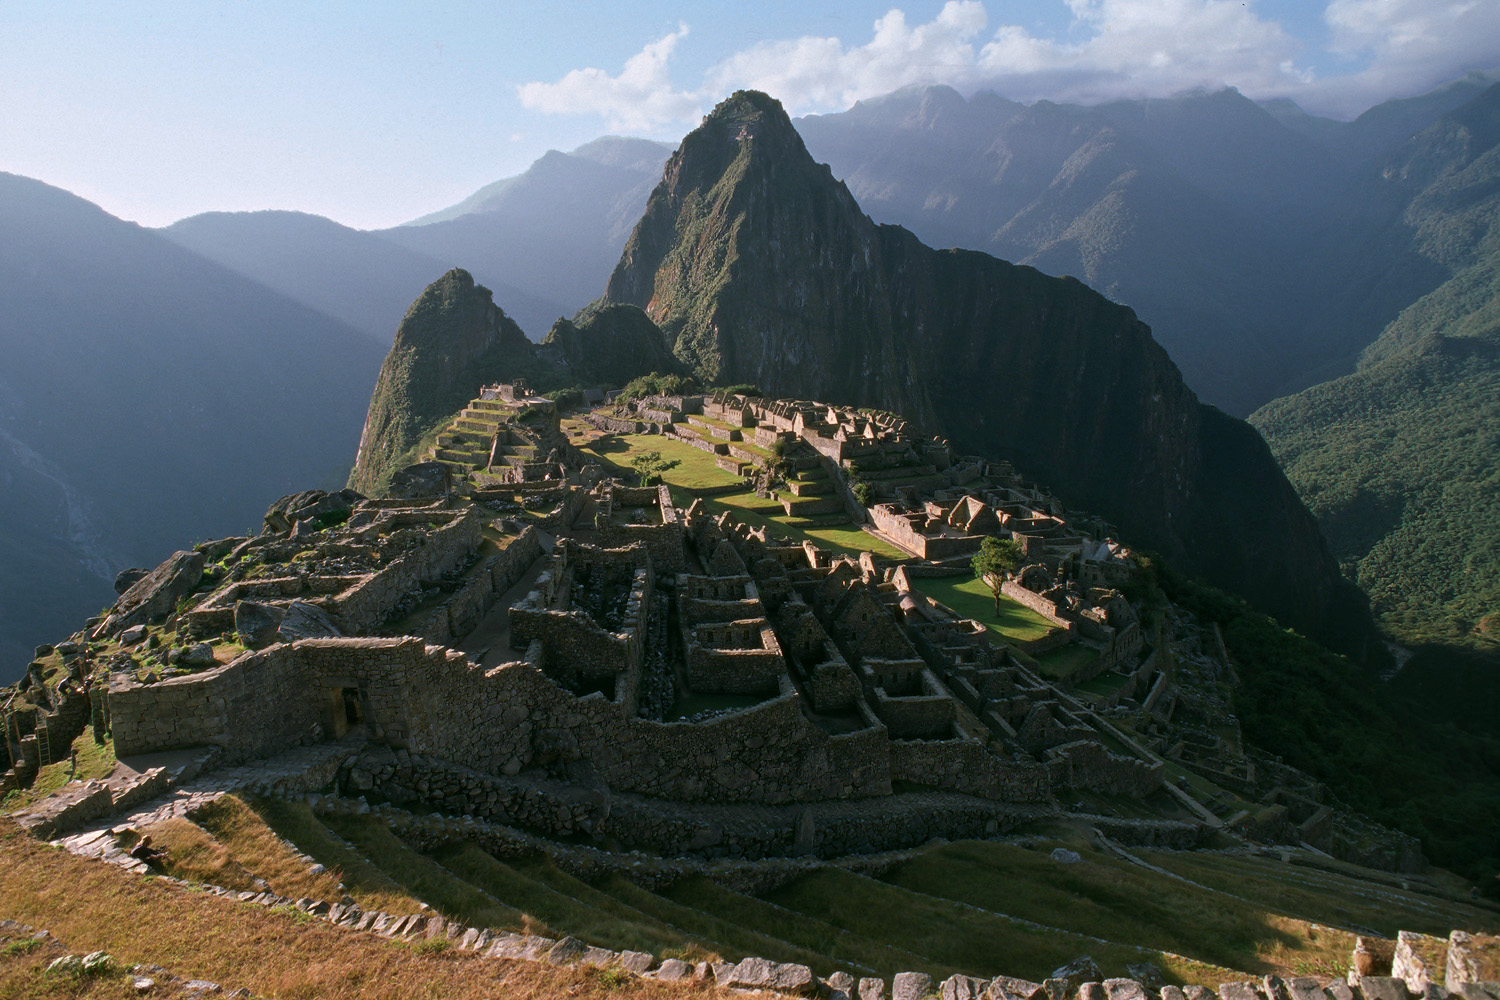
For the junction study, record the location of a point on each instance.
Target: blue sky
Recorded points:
(373, 113)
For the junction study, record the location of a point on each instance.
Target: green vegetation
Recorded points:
(950, 936)
(424, 878)
(658, 384)
(995, 561)
(614, 927)
(972, 599)
(649, 466)
(692, 468)
(95, 760)
(1330, 718)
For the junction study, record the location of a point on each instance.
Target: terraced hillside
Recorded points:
(973, 907)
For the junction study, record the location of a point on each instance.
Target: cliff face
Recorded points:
(760, 267)
(453, 340)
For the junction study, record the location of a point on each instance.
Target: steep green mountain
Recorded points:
(760, 267)
(453, 340)
(1400, 461)
(603, 341)
(1202, 212)
(359, 278)
(554, 231)
(149, 396)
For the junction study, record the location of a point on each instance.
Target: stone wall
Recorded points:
(501, 721)
(967, 765)
(1089, 764)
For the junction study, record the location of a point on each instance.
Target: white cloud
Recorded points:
(640, 97)
(1114, 48)
(1411, 45)
(820, 73)
(1137, 48)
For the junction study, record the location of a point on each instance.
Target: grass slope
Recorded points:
(239, 945)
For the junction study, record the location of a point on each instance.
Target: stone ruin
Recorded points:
(572, 657)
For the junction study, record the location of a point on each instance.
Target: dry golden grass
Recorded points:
(256, 847)
(91, 905)
(196, 856)
(371, 888)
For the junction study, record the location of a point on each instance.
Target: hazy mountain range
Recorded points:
(167, 384)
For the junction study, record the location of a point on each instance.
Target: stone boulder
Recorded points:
(317, 506)
(1082, 969)
(155, 594)
(911, 986)
(1010, 988)
(761, 974)
(127, 578)
(257, 623)
(424, 481)
(963, 988)
(307, 621)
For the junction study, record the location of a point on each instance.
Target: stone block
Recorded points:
(840, 986)
(1383, 988)
(1339, 990)
(672, 970)
(871, 989)
(1172, 993)
(1092, 991)
(1304, 988)
(963, 988)
(1010, 988)
(1238, 991)
(636, 961)
(911, 986)
(1124, 989)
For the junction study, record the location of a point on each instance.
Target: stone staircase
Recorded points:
(464, 445)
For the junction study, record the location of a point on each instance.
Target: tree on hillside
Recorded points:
(996, 559)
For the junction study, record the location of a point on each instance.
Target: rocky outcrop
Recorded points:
(453, 340)
(760, 267)
(609, 344)
(155, 594)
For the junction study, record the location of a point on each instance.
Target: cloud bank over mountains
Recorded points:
(1112, 49)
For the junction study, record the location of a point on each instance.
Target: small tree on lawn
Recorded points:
(996, 559)
(649, 466)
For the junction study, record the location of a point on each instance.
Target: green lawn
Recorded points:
(971, 598)
(696, 471)
(95, 760)
(695, 468)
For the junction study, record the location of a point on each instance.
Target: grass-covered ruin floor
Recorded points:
(972, 598)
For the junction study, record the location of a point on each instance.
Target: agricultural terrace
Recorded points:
(695, 472)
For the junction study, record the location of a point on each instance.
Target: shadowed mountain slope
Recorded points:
(760, 267)
(150, 397)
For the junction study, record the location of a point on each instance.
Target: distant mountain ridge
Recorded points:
(1254, 240)
(760, 267)
(149, 395)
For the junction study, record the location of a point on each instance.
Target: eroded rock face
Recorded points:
(257, 623)
(155, 594)
(306, 621)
